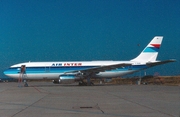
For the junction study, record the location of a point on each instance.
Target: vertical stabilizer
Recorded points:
(150, 52)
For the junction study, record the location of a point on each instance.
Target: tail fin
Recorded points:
(150, 52)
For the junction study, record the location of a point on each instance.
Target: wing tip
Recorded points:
(172, 60)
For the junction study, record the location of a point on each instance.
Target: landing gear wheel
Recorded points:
(92, 84)
(82, 83)
(85, 84)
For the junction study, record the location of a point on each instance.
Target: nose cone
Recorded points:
(7, 72)
(12, 73)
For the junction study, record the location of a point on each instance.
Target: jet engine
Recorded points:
(67, 79)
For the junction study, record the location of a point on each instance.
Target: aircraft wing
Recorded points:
(101, 68)
(159, 62)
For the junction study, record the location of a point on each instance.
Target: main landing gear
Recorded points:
(85, 83)
(88, 83)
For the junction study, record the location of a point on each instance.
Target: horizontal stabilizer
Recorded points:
(159, 62)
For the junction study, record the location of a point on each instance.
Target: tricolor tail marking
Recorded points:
(156, 45)
(150, 52)
(155, 48)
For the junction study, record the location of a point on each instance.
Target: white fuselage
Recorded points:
(52, 70)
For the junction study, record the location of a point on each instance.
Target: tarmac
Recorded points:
(54, 100)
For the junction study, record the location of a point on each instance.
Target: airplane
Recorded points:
(78, 71)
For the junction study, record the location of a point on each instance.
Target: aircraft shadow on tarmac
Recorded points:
(67, 85)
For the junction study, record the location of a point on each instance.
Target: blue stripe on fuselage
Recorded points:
(62, 69)
(36, 70)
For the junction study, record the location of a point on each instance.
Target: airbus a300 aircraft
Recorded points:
(77, 71)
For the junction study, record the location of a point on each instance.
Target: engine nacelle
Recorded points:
(68, 78)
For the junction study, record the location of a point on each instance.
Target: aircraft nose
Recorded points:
(12, 73)
(6, 72)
